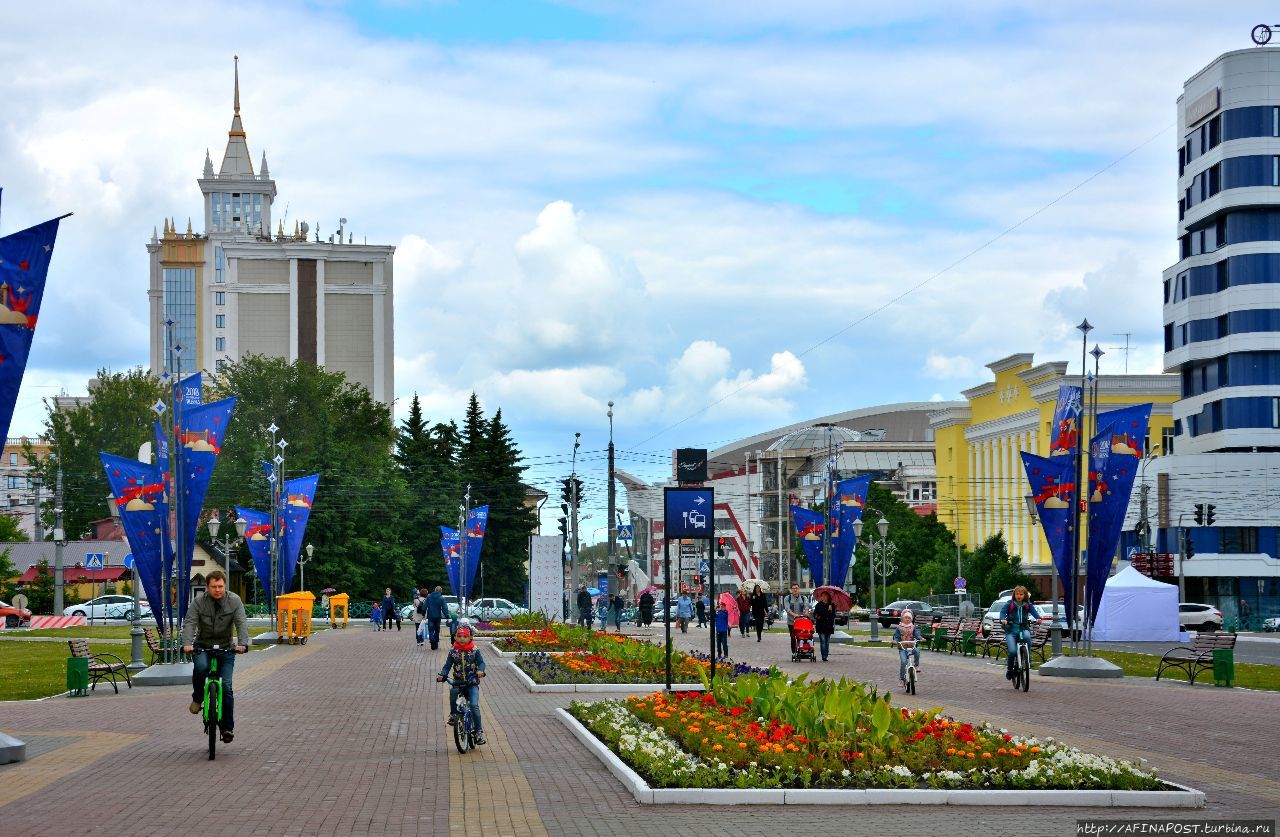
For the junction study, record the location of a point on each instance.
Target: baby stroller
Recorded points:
(802, 633)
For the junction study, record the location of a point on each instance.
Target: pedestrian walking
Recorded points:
(646, 608)
(684, 611)
(759, 606)
(584, 606)
(702, 611)
(794, 605)
(375, 616)
(722, 630)
(419, 615)
(744, 612)
(824, 620)
(616, 603)
(390, 611)
(437, 609)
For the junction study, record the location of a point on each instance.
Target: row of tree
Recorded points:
(384, 489)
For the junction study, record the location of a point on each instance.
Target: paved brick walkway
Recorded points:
(346, 736)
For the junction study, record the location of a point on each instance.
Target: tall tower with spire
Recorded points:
(234, 286)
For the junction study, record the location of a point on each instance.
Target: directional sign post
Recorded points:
(626, 533)
(93, 561)
(687, 513)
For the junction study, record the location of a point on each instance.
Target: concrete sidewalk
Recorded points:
(346, 735)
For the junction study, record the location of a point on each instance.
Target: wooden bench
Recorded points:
(1039, 642)
(965, 637)
(994, 642)
(1198, 656)
(101, 666)
(153, 643)
(944, 632)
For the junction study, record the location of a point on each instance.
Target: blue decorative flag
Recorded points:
(190, 393)
(295, 510)
(200, 436)
(809, 528)
(850, 499)
(477, 521)
(1065, 439)
(257, 537)
(140, 495)
(451, 546)
(24, 266)
(1114, 455)
(1053, 488)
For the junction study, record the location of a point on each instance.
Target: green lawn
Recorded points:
(33, 669)
(110, 631)
(1248, 675)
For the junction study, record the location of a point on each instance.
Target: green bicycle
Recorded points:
(211, 707)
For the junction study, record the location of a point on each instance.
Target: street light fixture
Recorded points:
(240, 527)
(883, 564)
(302, 565)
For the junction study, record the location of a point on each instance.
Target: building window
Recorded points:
(13, 459)
(219, 265)
(180, 306)
(1237, 540)
(220, 364)
(220, 320)
(1166, 441)
(219, 344)
(219, 297)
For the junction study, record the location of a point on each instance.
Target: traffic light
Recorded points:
(697, 579)
(564, 528)
(721, 543)
(566, 494)
(1208, 514)
(622, 573)
(1199, 515)
(1188, 548)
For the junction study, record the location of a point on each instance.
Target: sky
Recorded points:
(723, 216)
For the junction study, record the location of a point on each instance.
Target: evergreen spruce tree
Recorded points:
(506, 542)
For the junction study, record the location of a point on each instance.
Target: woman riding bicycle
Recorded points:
(906, 637)
(1018, 615)
(468, 667)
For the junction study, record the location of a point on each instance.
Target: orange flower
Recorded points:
(742, 745)
(717, 747)
(968, 755)
(1001, 751)
(951, 751)
(986, 755)
(1035, 749)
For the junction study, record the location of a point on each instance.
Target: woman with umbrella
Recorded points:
(646, 606)
(743, 601)
(830, 599)
(759, 604)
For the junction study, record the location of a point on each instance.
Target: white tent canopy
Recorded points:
(1137, 609)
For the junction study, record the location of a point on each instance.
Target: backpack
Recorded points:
(422, 607)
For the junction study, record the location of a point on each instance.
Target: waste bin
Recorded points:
(293, 613)
(77, 676)
(338, 602)
(1224, 666)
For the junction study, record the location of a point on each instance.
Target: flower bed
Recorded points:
(759, 732)
(609, 658)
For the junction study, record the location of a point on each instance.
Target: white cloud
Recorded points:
(943, 366)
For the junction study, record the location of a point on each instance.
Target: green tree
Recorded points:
(511, 521)
(116, 419)
(8, 574)
(427, 458)
(39, 592)
(10, 532)
(333, 428)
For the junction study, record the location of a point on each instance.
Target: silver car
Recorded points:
(1199, 617)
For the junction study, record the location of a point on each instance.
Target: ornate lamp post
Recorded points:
(302, 565)
(214, 524)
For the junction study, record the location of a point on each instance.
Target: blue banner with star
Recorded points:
(200, 437)
(1053, 489)
(257, 538)
(850, 497)
(138, 490)
(809, 528)
(1114, 455)
(451, 546)
(24, 266)
(295, 510)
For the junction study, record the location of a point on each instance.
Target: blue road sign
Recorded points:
(960, 582)
(704, 568)
(128, 561)
(93, 561)
(625, 532)
(688, 512)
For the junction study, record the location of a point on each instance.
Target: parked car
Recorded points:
(491, 609)
(98, 608)
(451, 602)
(889, 615)
(14, 617)
(991, 618)
(1199, 617)
(1271, 623)
(125, 611)
(1046, 617)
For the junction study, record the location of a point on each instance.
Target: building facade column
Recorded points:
(379, 334)
(320, 312)
(293, 310)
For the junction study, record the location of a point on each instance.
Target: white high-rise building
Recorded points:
(237, 288)
(1222, 337)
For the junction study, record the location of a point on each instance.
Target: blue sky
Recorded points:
(696, 210)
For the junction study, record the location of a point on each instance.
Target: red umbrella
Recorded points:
(731, 605)
(839, 598)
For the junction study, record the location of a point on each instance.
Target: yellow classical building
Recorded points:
(981, 485)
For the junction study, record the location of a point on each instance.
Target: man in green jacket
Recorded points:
(209, 622)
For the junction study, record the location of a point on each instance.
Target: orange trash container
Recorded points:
(338, 602)
(293, 615)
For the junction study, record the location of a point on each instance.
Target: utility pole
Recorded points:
(781, 519)
(59, 541)
(37, 484)
(610, 519)
(573, 515)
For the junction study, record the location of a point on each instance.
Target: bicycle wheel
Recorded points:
(211, 716)
(1024, 663)
(911, 680)
(462, 732)
(1017, 670)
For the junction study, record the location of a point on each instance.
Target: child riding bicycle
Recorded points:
(1017, 616)
(467, 666)
(906, 637)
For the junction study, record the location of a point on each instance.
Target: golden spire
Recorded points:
(280, 230)
(236, 58)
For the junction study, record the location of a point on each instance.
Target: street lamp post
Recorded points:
(135, 633)
(241, 525)
(882, 564)
(302, 565)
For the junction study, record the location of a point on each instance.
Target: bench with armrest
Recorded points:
(993, 645)
(943, 632)
(1039, 642)
(1198, 656)
(966, 635)
(101, 666)
(153, 643)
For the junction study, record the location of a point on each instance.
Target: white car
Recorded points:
(1199, 617)
(125, 611)
(491, 609)
(103, 607)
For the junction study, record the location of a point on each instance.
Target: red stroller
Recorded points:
(802, 635)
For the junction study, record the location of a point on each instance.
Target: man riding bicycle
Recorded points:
(467, 665)
(209, 622)
(1017, 616)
